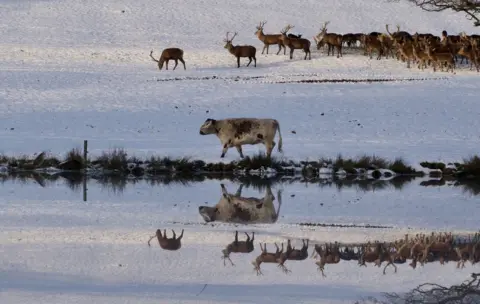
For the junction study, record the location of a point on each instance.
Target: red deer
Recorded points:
(235, 132)
(332, 40)
(270, 39)
(165, 243)
(238, 247)
(296, 43)
(241, 51)
(266, 257)
(169, 54)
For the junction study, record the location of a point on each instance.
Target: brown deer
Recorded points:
(331, 40)
(284, 257)
(266, 257)
(240, 51)
(400, 35)
(169, 54)
(299, 254)
(331, 255)
(165, 243)
(440, 59)
(238, 247)
(270, 39)
(296, 43)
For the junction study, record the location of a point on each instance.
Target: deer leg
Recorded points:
(183, 61)
(174, 235)
(151, 238)
(250, 61)
(253, 237)
(291, 53)
(166, 64)
(181, 236)
(238, 62)
(239, 149)
(236, 237)
(248, 237)
(176, 63)
(264, 47)
(255, 61)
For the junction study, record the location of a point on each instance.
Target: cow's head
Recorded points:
(209, 214)
(209, 127)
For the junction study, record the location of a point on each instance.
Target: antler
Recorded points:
(233, 36)
(286, 29)
(230, 40)
(226, 39)
(324, 27)
(261, 25)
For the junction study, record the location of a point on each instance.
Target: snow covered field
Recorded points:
(75, 70)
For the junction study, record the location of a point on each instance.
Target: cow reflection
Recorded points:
(233, 208)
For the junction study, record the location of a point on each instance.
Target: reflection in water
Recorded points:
(237, 246)
(165, 243)
(117, 184)
(234, 208)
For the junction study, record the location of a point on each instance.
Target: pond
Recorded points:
(61, 236)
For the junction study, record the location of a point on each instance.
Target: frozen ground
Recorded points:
(75, 70)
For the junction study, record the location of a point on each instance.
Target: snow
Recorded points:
(76, 70)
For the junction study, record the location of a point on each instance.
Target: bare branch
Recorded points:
(470, 7)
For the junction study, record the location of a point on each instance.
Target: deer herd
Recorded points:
(423, 49)
(422, 248)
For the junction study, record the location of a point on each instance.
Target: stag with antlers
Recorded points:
(240, 51)
(296, 43)
(330, 39)
(270, 39)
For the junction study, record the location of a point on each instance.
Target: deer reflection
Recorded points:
(165, 243)
(238, 247)
(233, 208)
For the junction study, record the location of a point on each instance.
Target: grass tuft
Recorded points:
(113, 160)
(400, 166)
(471, 167)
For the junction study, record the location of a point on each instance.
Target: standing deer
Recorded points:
(332, 40)
(266, 257)
(169, 54)
(296, 43)
(238, 247)
(270, 39)
(241, 51)
(165, 243)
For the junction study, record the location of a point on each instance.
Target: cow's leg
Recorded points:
(224, 150)
(269, 147)
(239, 149)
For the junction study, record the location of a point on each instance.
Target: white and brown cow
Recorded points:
(235, 132)
(233, 208)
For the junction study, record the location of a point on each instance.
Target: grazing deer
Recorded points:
(238, 247)
(296, 43)
(270, 39)
(328, 256)
(169, 54)
(332, 40)
(266, 257)
(240, 51)
(165, 243)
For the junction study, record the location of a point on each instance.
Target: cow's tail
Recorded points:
(279, 138)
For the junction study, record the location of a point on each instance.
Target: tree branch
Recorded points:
(470, 7)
